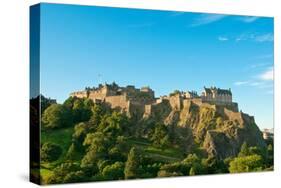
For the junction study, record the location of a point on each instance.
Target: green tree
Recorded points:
(183, 167)
(74, 177)
(244, 151)
(72, 152)
(270, 155)
(212, 165)
(132, 164)
(68, 103)
(192, 161)
(81, 110)
(113, 125)
(80, 132)
(50, 152)
(65, 173)
(57, 116)
(46, 102)
(173, 169)
(191, 171)
(249, 163)
(98, 112)
(114, 171)
(98, 145)
(160, 136)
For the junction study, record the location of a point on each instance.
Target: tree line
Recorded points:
(100, 148)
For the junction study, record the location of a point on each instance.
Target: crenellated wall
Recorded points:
(132, 100)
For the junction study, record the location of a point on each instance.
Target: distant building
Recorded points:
(268, 134)
(132, 100)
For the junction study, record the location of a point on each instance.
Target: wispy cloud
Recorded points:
(248, 19)
(221, 38)
(244, 37)
(204, 19)
(240, 83)
(259, 84)
(256, 83)
(268, 37)
(261, 81)
(265, 38)
(265, 56)
(261, 65)
(267, 75)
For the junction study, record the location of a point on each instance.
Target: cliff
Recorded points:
(218, 129)
(211, 120)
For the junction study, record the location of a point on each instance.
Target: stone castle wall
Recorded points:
(117, 101)
(233, 115)
(147, 110)
(175, 102)
(223, 99)
(79, 94)
(186, 102)
(132, 101)
(135, 109)
(97, 95)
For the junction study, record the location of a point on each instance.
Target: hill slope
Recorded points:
(218, 129)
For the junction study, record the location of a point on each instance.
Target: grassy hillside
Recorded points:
(82, 141)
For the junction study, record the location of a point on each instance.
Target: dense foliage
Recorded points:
(83, 141)
(50, 152)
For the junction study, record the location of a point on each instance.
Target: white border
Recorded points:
(14, 79)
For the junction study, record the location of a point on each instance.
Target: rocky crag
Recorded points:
(218, 129)
(211, 121)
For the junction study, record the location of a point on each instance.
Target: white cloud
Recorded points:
(249, 19)
(204, 19)
(268, 37)
(220, 38)
(262, 81)
(239, 83)
(267, 75)
(258, 65)
(245, 36)
(265, 38)
(256, 83)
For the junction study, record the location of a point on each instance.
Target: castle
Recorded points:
(142, 101)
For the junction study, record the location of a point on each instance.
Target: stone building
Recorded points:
(142, 100)
(128, 99)
(268, 134)
(217, 95)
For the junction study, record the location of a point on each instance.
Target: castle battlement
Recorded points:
(131, 100)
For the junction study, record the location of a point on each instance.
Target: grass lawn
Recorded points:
(168, 154)
(61, 137)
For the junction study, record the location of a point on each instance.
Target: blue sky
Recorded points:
(84, 45)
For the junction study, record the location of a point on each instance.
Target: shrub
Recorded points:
(50, 152)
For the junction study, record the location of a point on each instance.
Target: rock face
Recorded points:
(218, 129)
(211, 120)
